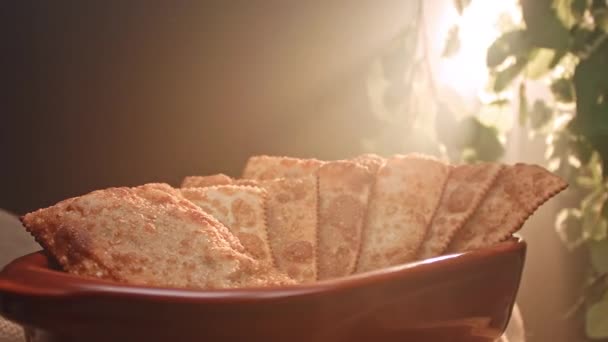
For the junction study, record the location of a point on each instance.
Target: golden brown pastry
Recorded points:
(145, 235)
(242, 210)
(405, 195)
(344, 188)
(290, 220)
(463, 192)
(517, 192)
(271, 167)
(291, 216)
(204, 181)
(370, 160)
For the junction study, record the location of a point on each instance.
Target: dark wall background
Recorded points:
(120, 93)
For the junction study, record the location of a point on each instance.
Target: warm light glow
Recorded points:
(466, 71)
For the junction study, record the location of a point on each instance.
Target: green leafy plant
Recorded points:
(565, 41)
(403, 97)
(562, 45)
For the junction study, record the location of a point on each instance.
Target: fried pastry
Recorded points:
(369, 160)
(241, 209)
(204, 181)
(271, 167)
(145, 236)
(344, 188)
(291, 215)
(463, 192)
(290, 220)
(405, 195)
(215, 180)
(518, 191)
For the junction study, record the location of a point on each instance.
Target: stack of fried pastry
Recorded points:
(289, 221)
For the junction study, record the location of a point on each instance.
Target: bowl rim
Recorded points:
(30, 275)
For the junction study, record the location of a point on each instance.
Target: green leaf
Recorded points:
(563, 90)
(604, 211)
(578, 8)
(567, 171)
(591, 84)
(583, 149)
(544, 27)
(569, 227)
(599, 230)
(599, 11)
(567, 11)
(594, 224)
(469, 156)
(596, 319)
(539, 63)
(523, 104)
(452, 44)
(499, 117)
(595, 166)
(489, 147)
(460, 5)
(598, 255)
(559, 54)
(504, 77)
(512, 43)
(540, 115)
(581, 38)
(586, 182)
(561, 143)
(480, 138)
(590, 201)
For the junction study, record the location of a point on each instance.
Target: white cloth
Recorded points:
(10, 332)
(14, 242)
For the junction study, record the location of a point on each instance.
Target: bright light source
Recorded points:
(466, 71)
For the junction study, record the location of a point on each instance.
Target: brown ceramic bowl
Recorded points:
(461, 297)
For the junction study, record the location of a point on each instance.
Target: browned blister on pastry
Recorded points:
(463, 192)
(146, 191)
(145, 236)
(242, 210)
(271, 167)
(344, 189)
(518, 191)
(369, 160)
(291, 215)
(404, 197)
(204, 181)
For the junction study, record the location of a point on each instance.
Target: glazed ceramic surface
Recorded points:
(463, 297)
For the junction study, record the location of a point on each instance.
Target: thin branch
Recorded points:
(425, 50)
(586, 53)
(579, 304)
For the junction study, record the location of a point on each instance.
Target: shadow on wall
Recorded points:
(119, 94)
